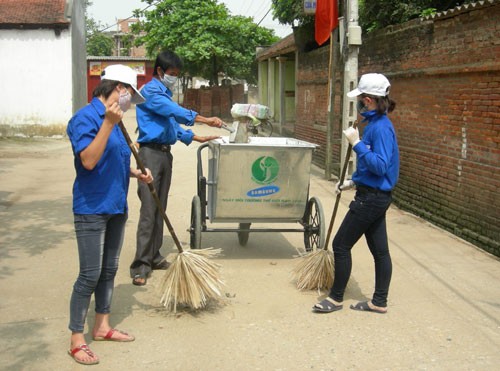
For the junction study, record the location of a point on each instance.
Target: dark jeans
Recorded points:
(150, 226)
(366, 216)
(100, 239)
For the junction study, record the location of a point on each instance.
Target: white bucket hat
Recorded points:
(371, 84)
(125, 75)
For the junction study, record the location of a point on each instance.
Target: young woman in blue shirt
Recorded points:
(102, 164)
(375, 177)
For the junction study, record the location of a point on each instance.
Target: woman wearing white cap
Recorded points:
(376, 175)
(102, 164)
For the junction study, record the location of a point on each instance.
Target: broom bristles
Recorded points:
(315, 270)
(192, 279)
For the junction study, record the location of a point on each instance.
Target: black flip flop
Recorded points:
(362, 306)
(326, 306)
(162, 266)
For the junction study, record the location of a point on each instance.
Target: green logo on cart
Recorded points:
(265, 170)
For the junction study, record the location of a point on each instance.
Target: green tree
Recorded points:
(127, 41)
(373, 14)
(97, 43)
(291, 12)
(209, 40)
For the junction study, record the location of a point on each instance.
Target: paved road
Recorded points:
(444, 304)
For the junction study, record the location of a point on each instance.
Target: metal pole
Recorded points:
(349, 112)
(331, 103)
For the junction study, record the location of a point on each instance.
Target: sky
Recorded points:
(108, 11)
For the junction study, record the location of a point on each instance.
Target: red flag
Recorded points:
(326, 19)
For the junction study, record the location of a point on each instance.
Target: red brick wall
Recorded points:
(214, 101)
(445, 76)
(205, 102)
(192, 99)
(225, 101)
(237, 93)
(312, 103)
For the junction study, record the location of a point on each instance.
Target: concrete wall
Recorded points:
(290, 91)
(445, 75)
(36, 75)
(45, 73)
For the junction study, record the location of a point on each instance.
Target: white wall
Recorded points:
(36, 77)
(79, 54)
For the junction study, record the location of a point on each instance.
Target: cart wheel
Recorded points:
(314, 225)
(195, 230)
(243, 235)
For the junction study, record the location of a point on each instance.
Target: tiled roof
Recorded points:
(40, 13)
(462, 9)
(283, 46)
(115, 58)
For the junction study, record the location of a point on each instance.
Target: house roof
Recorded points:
(33, 14)
(283, 46)
(116, 58)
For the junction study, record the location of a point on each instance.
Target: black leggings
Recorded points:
(366, 216)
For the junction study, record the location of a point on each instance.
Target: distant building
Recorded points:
(124, 39)
(42, 63)
(96, 64)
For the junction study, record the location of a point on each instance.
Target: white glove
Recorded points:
(348, 184)
(352, 135)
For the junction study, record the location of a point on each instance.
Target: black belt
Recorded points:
(157, 146)
(366, 189)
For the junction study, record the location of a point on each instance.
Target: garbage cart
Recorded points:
(263, 181)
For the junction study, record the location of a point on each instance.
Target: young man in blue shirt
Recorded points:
(159, 120)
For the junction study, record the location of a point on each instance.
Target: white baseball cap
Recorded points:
(371, 84)
(125, 75)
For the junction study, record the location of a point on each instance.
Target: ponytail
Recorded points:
(390, 104)
(384, 104)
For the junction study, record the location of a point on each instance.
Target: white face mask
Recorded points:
(125, 100)
(168, 81)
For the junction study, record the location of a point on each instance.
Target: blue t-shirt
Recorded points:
(159, 117)
(102, 190)
(377, 154)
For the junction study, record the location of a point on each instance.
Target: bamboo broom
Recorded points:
(192, 279)
(315, 270)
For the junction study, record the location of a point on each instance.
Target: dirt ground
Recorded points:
(444, 303)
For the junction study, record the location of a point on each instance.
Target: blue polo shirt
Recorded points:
(102, 190)
(377, 154)
(159, 117)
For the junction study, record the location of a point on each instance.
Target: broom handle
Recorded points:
(151, 187)
(337, 200)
